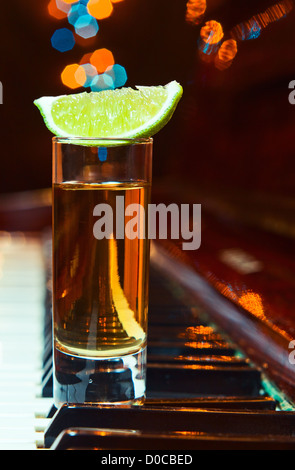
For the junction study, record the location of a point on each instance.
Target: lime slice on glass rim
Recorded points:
(123, 113)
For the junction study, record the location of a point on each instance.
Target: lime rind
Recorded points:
(173, 93)
(44, 104)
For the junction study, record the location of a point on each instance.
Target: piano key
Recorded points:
(190, 348)
(38, 407)
(21, 325)
(104, 439)
(26, 417)
(187, 381)
(221, 403)
(161, 420)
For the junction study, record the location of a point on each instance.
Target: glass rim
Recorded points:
(115, 140)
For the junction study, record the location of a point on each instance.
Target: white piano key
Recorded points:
(22, 295)
(23, 311)
(16, 353)
(20, 444)
(18, 432)
(39, 408)
(10, 421)
(41, 424)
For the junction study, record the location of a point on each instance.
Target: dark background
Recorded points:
(233, 130)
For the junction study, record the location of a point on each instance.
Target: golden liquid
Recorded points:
(100, 286)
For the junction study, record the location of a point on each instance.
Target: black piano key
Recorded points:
(178, 337)
(165, 316)
(182, 334)
(47, 379)
(202, 360)
(218, 403)
(190, 348)
(89, 439)
(167, 420)
(165, 380)
(47, 351)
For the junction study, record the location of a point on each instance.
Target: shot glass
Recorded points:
(101, 192)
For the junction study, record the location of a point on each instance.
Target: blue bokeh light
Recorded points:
(90, 72)
(63, 40)
(77, 10)
(118, 74)
(86, 26)
(102, 81)
(254, 30)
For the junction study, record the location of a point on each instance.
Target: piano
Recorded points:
(221, 343)
(218, 377)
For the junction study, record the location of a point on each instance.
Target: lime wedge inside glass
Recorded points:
(125, 113)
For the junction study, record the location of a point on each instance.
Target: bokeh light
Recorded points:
(212, 47)
(77, 10)
(90, 72)
(86, 26)
(63, 6)
(85, 59)
(63, 40)
(73, 76)
(118, 74)
(252, 28)
(80, 75)
(102, 59)
(102, 81)
(247, 30)
(54, 11)
(211, 33)
(96, 70)
(100, 9)
(226, 54)
(195, 10)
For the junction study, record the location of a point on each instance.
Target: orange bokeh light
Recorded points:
(86, 58)
(101, 59)
(73, 76)
(211, 35)
(100, 9)
(212, 32)
(228, 50)
(54, 11)
(195, 10)
(226, 54)
(69, 1)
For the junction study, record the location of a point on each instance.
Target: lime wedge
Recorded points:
(121, 113)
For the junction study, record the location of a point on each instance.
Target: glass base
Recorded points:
(112, 380)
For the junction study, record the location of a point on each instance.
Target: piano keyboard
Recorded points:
(201, 391)
(22, 407)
